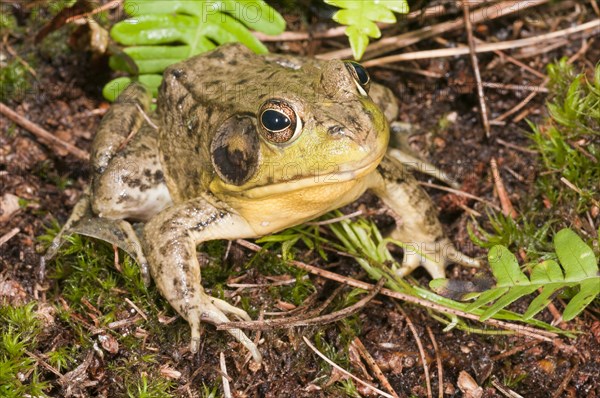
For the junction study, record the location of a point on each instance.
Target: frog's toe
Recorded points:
(230, 309)
(212, 310)
(434, 259)
(454, 256)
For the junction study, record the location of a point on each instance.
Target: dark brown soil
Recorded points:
(66, 100)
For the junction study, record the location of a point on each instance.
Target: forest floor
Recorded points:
(90, 328)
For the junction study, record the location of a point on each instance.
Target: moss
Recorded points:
(14, 81)
(19, 330)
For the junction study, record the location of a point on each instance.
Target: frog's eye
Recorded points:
(280, 123)
(360, 75)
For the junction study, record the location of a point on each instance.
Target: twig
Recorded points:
(406, 39)
(579, 191)
(543, 83)
(514, 350)
(262, 285)
(521, 104)
(595, 7)
(291, 322)
(459, 192)
(413, 330)
(45, 364)
(426, 73)
(515, 61)
(507, 392)
(12, 52)
(225, 378)
(507, 207)
(107, 6)
(364, 353)
(485, 47)
(476, 71)
(329, 361)
(136, 308)
(438, 361)
(515, 87)
(515, 147)
(41, 133)
(9, 235)
(524, 330)
(341, 30)
(565, 381)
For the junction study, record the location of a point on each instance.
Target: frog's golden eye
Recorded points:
(360, 75)
(279, 122)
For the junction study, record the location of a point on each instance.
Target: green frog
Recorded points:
(241, 146)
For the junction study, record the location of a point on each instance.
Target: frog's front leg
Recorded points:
(170, 240)
(417, 224)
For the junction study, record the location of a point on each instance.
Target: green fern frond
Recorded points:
(162, 32)
(360, 17)
(579, 269)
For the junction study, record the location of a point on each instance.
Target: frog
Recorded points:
(240, 146)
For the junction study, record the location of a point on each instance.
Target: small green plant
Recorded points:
(566, 192)
(156, 387)
(360, 17)
(160, 33)
(19, 329)
(579, 270)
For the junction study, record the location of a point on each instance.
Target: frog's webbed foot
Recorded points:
(417, 225)
(215, 311)
(170, 240)
(81, 210)
(433, 256)
(117, 232)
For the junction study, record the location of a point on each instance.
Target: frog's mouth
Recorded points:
(300, 182)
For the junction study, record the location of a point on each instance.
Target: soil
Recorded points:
(66, 100)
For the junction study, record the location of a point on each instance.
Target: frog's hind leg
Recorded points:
(417, 225)
(117, 232)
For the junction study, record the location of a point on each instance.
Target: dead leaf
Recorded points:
(468, 386)
(9, 205)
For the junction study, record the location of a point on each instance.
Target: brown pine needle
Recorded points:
(9, 235)
(519, 329)
(476, 71)
(413, 330)
(507, 207)
(345, 372)
(438, 361)
(364, 353)
(225, 378)
(42, 134)
(488, 12)
(486, 47)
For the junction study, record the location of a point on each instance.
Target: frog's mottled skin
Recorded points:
(202, 167)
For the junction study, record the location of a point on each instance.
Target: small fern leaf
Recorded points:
(579, 269)
(588, 291)
(360, 17)
(542, 300)
(161, 32)
(505, 267)
(576, 257)
(580, 264)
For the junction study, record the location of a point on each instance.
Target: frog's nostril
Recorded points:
(337, 131)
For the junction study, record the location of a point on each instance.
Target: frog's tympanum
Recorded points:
(240, 146)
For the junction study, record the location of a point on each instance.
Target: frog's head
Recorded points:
(284, 124)
(323, 131)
